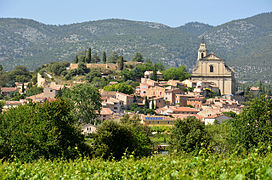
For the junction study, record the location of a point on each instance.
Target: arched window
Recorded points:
(211, 68)
(202, 55)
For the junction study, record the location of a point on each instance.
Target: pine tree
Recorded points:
(153, 105)
(104, 57)
(88, 57)
(23, 87)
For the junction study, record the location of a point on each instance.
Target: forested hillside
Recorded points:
(245, 44)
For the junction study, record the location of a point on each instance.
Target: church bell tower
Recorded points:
(202, 51)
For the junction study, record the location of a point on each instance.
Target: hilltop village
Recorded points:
(207, 95)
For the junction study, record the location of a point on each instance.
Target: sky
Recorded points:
(169, 12)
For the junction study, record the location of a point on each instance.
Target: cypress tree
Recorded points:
(96, 58)
(153, 105)
(88, 57)
(76, 59)
(146, 103)
(120, 63)
(104, 57)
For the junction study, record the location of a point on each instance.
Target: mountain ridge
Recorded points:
(31, 43)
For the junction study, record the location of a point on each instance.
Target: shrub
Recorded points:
(37, 131)
(189, 135)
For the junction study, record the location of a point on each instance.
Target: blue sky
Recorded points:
(170, 12)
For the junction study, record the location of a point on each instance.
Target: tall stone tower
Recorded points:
(202, 51)
(213, 69)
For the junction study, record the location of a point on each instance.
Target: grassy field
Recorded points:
(251, 166)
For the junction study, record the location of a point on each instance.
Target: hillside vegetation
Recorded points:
(245, 44)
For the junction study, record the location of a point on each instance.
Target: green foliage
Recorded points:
(35, 131)
(230, 114)
(104, 57)
(120, 87)
(86, 101)
(253, 128)
(92, 74)
(133, 136)
(34, 90)
(120, 63)
(57, 67)
(179, 73)
(189, 135)
(155, 167)
(113, 58)
(96, 58)
(20, 74)
(82, 69)
(138, 57)
(2, 103)
(88, 57)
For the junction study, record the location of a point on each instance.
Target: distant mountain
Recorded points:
(245, 44)
(195, 28)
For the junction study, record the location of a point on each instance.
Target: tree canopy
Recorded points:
(34, 131)
(86, 101)
(179, 73)
(253, 127)
(120, 87)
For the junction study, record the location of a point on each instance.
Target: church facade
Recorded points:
(213, 69)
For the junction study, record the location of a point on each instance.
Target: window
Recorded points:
(211, 68)
(202, 55)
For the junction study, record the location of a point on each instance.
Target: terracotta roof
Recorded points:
(8, 89)
(106, 111)
(184, 109)
(13, 102)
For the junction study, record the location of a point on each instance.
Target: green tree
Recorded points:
(87, 102)
(179, 73)
(35, 131)
(252, 128)
(20, 73)
(82, 69)
(88, 57)
(96, 58)
(146, 105)
(189, 135)
(120, 63)
(1, 104)
(154, 76)
(138, 57)
(113, 139)
(1, 67)
(104, 57)
(120, 87)
(76, 59)
(153, 105)
(92, 74)
(113, 58)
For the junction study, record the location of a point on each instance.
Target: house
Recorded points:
(149, 74)
(19, 86)
(170, 95)
(8, 91)
(39, 98)
(127, 99)
(196, 102)
(216, 118)
(106, 113)
(158, 102)
(170, 110)
(88, 128)
(52, 90)
(114, 104)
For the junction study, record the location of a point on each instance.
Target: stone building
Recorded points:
(213, 69)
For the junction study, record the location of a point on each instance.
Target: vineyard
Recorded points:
(203, 166)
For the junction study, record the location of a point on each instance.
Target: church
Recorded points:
(213, 69)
